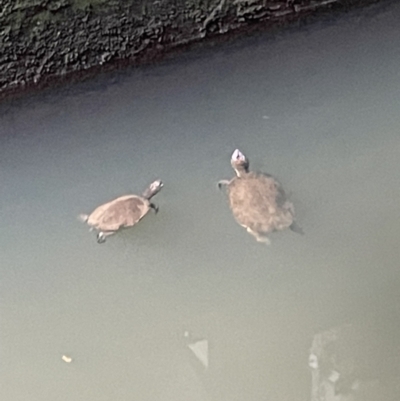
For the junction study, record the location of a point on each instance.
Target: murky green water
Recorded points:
(317, 107)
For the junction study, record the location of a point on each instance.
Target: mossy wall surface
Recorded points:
(43, 41)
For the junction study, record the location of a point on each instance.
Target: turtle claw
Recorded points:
(154, 207)
(221, 183)
(101, 238)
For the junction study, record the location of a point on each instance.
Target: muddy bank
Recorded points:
(45, 42)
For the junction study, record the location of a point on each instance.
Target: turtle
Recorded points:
(122, 212)
(258, 201)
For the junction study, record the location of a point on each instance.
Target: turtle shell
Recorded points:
(259, 203)
(124, 211)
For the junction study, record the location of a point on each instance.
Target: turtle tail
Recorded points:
(83, 218)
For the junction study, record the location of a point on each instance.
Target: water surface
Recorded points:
(318, 107)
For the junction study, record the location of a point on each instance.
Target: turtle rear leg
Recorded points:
(102, 235)
(260, 237)
(222, 183)
(154, 207)
(296, 228)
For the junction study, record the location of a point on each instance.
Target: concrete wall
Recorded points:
(49, 41)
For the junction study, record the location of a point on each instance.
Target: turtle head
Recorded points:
(153, 189)
(239, 162)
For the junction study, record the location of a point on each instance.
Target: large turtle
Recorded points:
(122, 212)
(258, 201)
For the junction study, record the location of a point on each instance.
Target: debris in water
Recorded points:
(66, 358)
(199, 348)
(313, 361)
(334, 376)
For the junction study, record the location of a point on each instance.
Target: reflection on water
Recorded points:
(357, 361)
(316, 107)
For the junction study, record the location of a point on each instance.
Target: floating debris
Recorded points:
(313, 361)
(66, 359)
(334, 376)
(199, 348)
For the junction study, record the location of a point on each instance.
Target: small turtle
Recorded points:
(257, 200)
(122, 212)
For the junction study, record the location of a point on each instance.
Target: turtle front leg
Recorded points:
(223, 183)
(154, 207)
